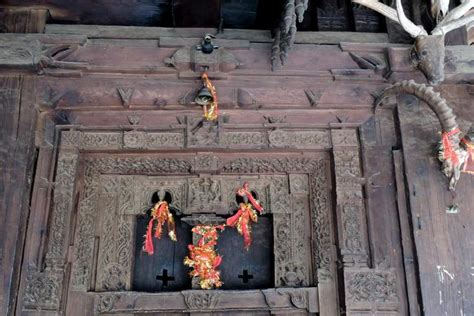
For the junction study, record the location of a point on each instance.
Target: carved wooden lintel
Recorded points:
(271, 300)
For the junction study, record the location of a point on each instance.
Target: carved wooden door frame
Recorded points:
(79, 158)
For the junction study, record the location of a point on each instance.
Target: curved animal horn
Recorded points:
(453, 157)
(425, 93)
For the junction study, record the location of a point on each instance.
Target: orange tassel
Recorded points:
(161, 214)
(449, 153)
(148, 246)
(241, 220)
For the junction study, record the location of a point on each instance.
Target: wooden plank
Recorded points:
(136, 32)
(378, 137)
(17, 169)
(409, 254)
(338, 37)
(443, 241)
(180, 42)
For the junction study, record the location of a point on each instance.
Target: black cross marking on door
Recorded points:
(164, 277)
(245, 276)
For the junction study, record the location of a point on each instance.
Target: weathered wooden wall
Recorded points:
(100, 78)
(18, 156)
(444, 241)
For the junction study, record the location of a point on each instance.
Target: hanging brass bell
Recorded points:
(204, 96)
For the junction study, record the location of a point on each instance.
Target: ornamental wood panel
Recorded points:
(112, 129)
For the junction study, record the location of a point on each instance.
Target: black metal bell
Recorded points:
(207, 46)
(204, 96)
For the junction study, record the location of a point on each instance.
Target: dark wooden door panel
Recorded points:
(164, 270)
(247, 269)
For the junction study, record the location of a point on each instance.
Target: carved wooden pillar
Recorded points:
(23, 20)
(350, 202)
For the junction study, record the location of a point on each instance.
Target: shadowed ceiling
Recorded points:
(322, 15)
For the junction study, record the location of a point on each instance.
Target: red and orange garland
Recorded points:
(203, 257)
(245, 214)
(448, 152)
(161, 214)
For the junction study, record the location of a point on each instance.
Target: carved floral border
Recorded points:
(74, 141)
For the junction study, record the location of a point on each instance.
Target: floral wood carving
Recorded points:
(250, 139)
(106, 303)
(321, 221)
(350, 203)
(298, 139)
(63, 204)
(42, 289)
(199, 300)
(85, 241)
(371, 286)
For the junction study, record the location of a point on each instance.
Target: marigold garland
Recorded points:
(161, 214)
(203, 258)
